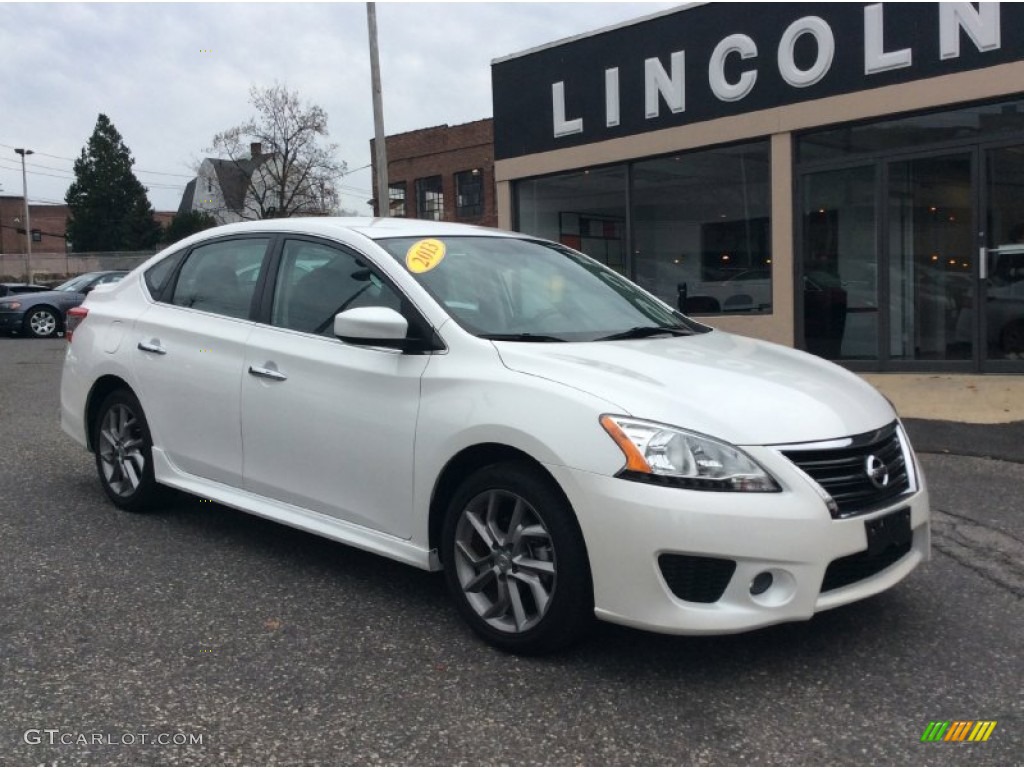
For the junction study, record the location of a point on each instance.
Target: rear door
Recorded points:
(189, 348)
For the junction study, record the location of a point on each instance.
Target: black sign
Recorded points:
(727, 59)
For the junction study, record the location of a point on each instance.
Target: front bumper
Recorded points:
(628, 525)
(11, 321)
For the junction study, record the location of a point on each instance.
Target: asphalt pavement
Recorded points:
(253, 643)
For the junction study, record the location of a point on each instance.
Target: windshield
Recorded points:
(525, 290)
(76, 284)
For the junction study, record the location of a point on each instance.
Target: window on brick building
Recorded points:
(396, 199)
(469, 194)
(430, 198)
(37, 236)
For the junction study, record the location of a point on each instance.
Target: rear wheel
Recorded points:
(42, 322)
(124, 453)
(515, 561)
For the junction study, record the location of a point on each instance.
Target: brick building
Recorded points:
(48, 222)
(444, 173)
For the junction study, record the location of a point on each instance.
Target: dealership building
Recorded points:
(843, 178)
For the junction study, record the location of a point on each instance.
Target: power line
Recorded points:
(148, 184)
(136, 170)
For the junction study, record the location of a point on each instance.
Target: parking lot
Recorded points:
(239, 641)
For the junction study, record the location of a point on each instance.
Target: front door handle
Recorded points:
(152, 346)
(267, 373)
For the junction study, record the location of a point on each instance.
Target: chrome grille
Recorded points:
(844, 471)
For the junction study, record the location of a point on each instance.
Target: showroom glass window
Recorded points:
(840, 264)
(585, 210)
(430, 198)
(702, 234)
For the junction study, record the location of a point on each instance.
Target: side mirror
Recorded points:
(372, 327)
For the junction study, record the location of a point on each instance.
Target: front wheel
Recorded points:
(515, 561)
(124, 452)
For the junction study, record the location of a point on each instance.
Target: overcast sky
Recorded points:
(171, 75)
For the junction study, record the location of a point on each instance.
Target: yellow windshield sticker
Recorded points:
(424, 256)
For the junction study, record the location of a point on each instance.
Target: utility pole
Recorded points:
(28, 223)
(380, 149)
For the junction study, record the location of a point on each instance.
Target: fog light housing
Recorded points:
(761, 583)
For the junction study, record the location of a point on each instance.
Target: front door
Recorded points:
(328, 426)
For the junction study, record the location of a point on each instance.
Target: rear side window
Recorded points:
(221, 277)
(157, 276)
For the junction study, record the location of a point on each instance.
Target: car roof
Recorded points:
(373, 228)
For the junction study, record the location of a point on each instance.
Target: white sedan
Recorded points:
(560, 442)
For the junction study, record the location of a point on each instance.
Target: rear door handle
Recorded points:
(151, 346)
(267, 373)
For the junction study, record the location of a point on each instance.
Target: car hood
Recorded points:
(746, 391)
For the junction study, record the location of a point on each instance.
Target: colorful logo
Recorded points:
(958, 730)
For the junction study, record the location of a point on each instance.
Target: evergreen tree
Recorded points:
(108, 207)
(185, 224)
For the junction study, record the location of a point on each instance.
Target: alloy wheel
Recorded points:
(120, 450)
(42, 323)
(505, 561)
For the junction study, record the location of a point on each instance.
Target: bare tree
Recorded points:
(279, 168)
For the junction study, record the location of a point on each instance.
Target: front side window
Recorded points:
(316, 281)
(526, 290)
(221, 277)
(430, 198)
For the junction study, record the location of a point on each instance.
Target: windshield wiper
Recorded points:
(536, 337)
(643, 331)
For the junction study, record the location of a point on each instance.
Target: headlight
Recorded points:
(657, 453)
(7, 306)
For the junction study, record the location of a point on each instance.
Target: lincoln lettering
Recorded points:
(665, 87)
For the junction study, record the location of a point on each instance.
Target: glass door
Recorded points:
(840, 288)
(1002, 261)
(932, 262)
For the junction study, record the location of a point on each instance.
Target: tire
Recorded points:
(42, 322)
(123, 448)
(515, 561)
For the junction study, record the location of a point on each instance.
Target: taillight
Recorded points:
(75, 317)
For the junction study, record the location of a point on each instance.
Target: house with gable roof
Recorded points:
(222, 187)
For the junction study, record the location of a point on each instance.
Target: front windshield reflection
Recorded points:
(525, 290)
